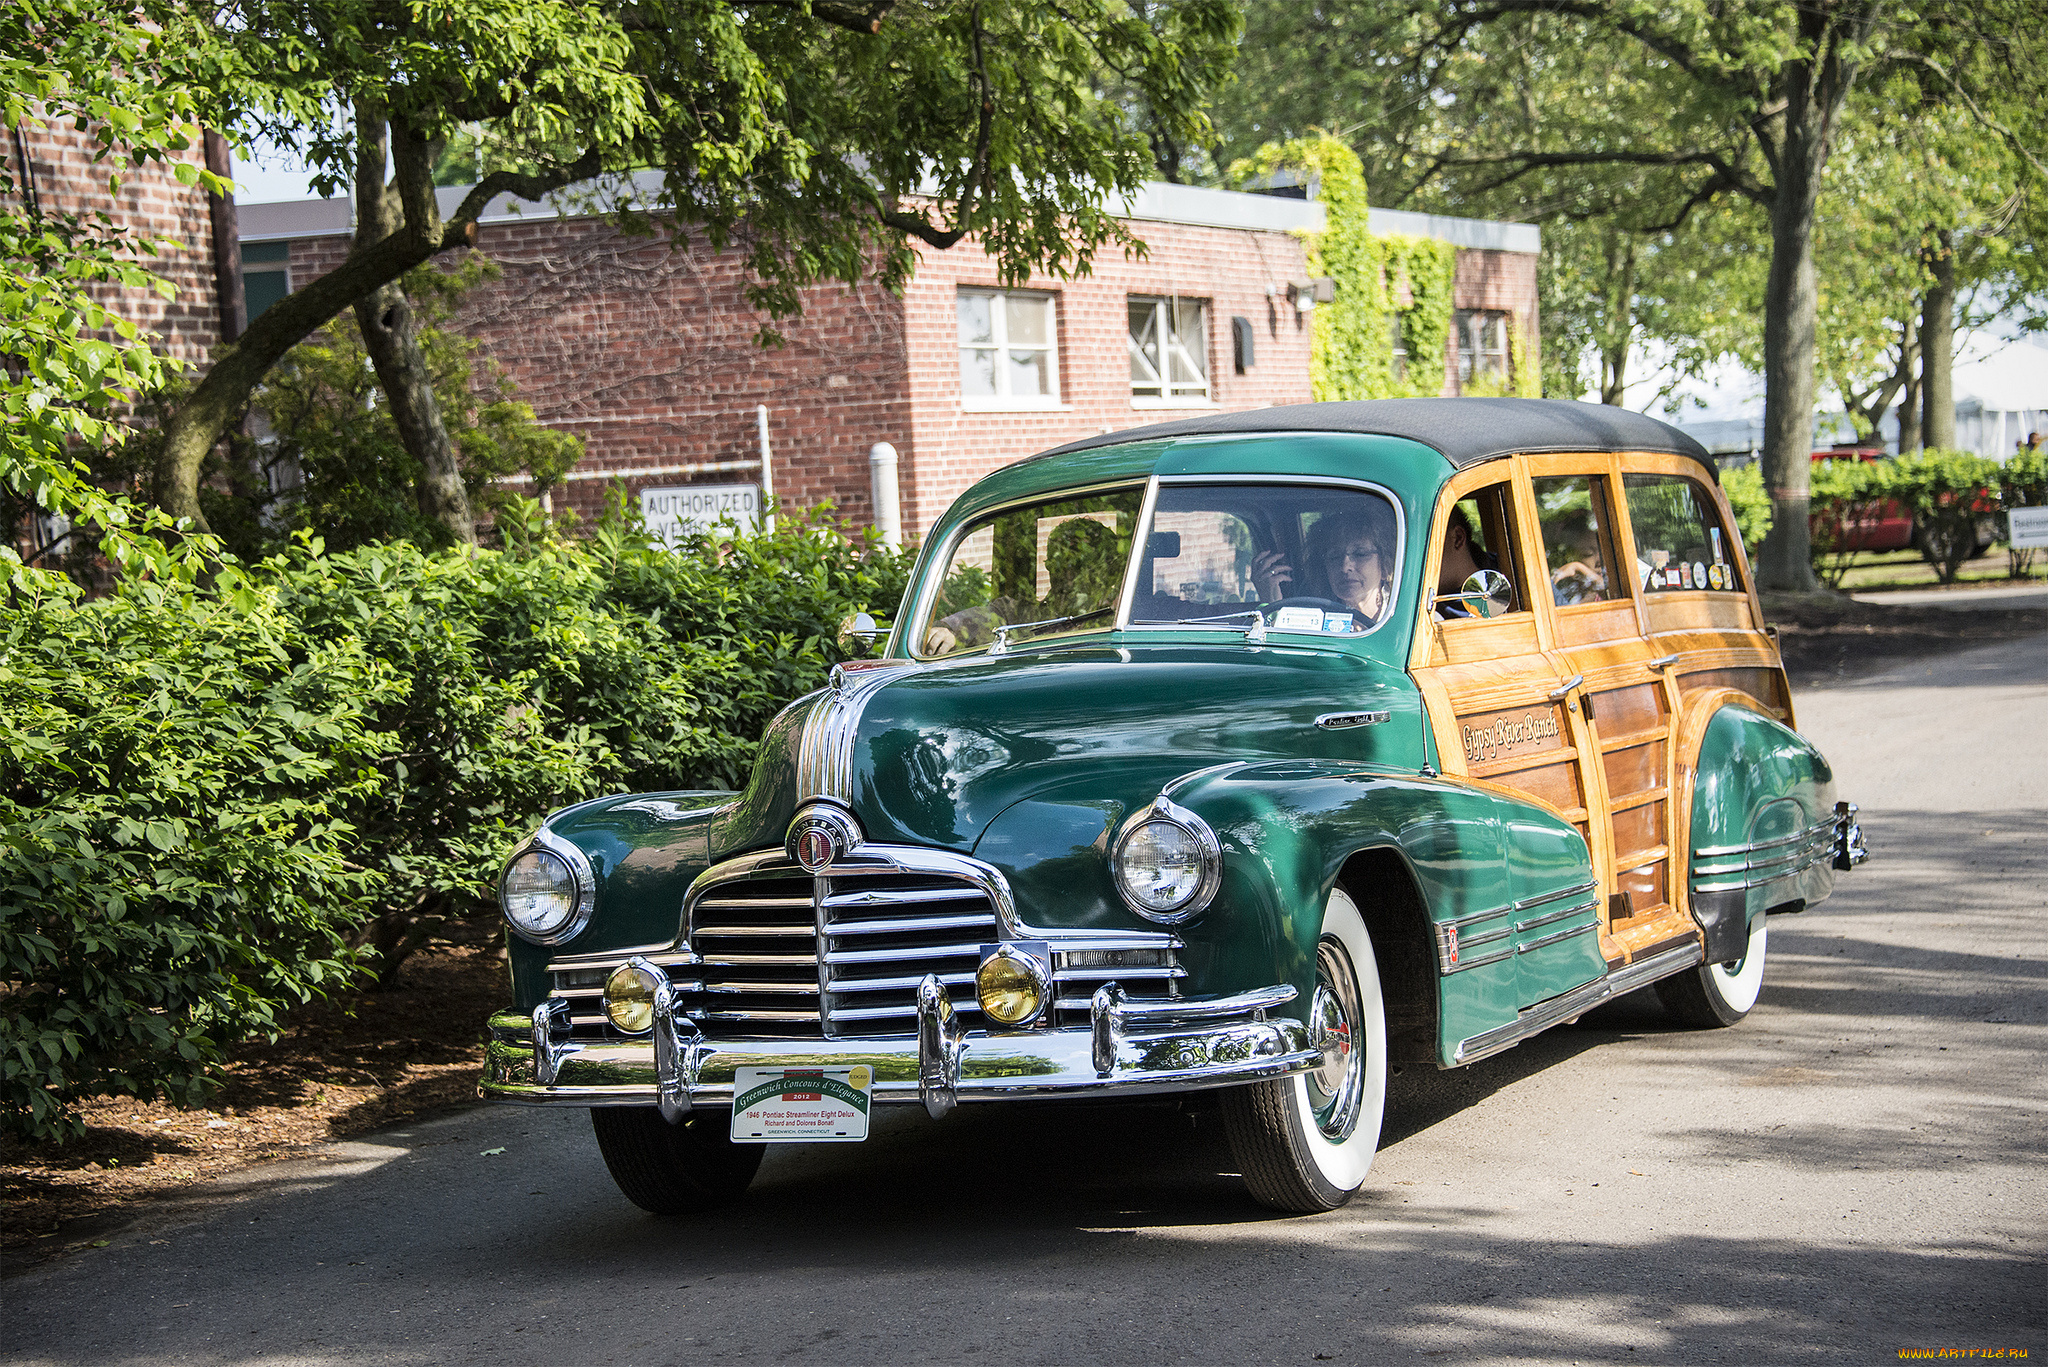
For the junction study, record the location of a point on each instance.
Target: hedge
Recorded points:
(219, 801)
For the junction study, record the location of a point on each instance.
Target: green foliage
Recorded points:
(72, 357)
(175, 769)
(1352, 340)
(2022, 483)
(213, 798)
(1751, 502)
(1946, 492)
(1847, 495)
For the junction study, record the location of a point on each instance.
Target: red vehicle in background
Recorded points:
(1887, 526)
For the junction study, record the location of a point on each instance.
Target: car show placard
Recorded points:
(812, 1105)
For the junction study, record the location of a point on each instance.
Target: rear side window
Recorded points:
(1680, 542)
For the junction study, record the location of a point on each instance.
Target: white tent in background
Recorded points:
(2001, 394)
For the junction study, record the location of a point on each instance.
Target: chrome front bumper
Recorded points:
(1130, 1048)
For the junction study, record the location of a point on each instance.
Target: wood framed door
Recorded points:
(1500, 710)
(1624, 692)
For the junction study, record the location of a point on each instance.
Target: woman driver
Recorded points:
(1346, 563)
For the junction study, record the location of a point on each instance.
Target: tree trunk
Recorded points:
(1621, 313)
(1937, 345)
(1909, 393)
(1791, 313)
(385, 317)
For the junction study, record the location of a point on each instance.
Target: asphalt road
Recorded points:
(1855, 1170)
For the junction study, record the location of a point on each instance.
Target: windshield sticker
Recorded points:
(1298, 619)
(1337, 623)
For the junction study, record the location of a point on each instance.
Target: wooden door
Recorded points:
(1498, 704)
(1624, 693)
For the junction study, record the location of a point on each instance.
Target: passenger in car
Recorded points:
(1462, 559)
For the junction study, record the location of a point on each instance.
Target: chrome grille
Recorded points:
(768, 944)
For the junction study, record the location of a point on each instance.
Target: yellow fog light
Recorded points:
(629, 997)
(1012, 986)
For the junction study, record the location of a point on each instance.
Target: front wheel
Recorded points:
(674, 1169)
(1304, 1143)
(1714, 995)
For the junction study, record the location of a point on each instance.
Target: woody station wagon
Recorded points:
(1252, 753)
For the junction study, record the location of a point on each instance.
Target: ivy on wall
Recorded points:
(1352, 340)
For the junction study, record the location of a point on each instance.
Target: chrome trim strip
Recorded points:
(1463, 921)
(1719, 851)
(1556, 936)
(1146, 505)
(1588, 886)
(1345, 721)
(1488, 938)
(824, 752)
(1540, 1017)
(1538, 922)
(1480, 962)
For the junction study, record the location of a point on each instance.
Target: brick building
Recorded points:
(647, 353)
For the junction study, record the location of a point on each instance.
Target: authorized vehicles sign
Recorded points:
(814, 1105)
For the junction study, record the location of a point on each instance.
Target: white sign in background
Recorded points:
(672, 514)
(2029, 527)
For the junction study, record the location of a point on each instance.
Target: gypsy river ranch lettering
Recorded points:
(1503, 735)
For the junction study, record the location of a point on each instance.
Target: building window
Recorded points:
(1169, 345)
(1482, 346)
(1397, 333)
(266, 274)
(1009, 350)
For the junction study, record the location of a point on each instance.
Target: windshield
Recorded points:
(1036, 570)
(1303, 557)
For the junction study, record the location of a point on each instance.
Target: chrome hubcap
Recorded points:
(1337, 1083)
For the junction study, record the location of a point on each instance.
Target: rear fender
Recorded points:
(1761, 819)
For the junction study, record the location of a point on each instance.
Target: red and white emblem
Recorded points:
(816, 849)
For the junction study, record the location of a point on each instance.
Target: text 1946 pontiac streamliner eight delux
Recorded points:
(1253, 753)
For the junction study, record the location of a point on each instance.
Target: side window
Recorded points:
(1480, 536)
(1578, 543)
(1680, 543)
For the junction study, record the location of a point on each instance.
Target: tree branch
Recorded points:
(1523, 163)
(868, 21)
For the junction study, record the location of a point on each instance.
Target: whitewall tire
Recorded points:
(1305, 1143)
(1715, 995)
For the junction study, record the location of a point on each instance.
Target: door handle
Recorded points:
(1567, 686)
(1664, 662)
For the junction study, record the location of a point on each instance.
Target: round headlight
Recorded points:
(629, 998)
(540, 895)
(1011, 987)
(1167, 863)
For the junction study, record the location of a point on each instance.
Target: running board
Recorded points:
(1578, 1001)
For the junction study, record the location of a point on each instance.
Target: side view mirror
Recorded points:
(860, 626)
(1488, 593)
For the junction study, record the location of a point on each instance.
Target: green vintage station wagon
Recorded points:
(1251, 754)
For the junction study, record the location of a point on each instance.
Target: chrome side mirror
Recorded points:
(859, 627)
(1488, 593)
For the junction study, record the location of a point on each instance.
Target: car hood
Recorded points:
(930, 755)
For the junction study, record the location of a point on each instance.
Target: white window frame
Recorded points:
(1472, 356)
(1165, 311)
(999, 328)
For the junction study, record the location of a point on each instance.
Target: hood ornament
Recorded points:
(821, 836)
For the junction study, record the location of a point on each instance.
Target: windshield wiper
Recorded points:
(1253, 634)
(1002, 644)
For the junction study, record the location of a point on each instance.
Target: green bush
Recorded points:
(1751, 503)
(1848, 495)
(1946, 492)
(216, 802)
(175, 770)
(2022, 483)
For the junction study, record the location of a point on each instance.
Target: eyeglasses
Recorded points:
(1348, 557)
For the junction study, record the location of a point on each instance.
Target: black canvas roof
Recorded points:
(1465, 431)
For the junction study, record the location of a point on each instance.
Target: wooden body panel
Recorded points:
(1605, 753)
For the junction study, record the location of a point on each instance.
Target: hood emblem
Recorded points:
(821, 836)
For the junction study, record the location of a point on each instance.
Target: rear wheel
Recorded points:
(673, 1169)
(1304, 1143)
(1714, 995)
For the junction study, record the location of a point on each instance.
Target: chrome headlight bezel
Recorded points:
(1164, 811)
(582, 878)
